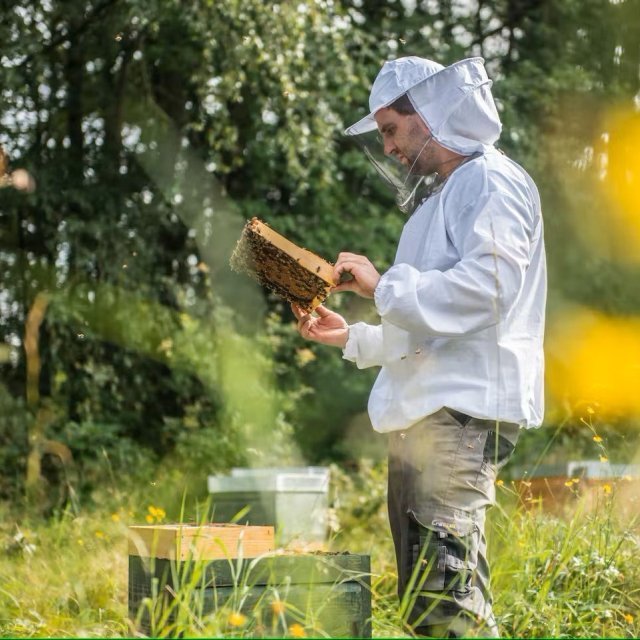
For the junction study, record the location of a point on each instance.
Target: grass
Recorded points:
(576, 576)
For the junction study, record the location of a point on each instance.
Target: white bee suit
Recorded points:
(462, 309)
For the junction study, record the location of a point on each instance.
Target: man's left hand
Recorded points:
(365, 275)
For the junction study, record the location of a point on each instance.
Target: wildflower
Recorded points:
(115, 517)
(297, 630)
(604, 459)
(499, 483)
(100, 534)
(590, 411)
(597, 438)
(237, 619)
(568, 483)
(304, 356)
(606, 488)
(628, 618)
(278, 607)
(155, 514)
(81, 542)
(612, 572)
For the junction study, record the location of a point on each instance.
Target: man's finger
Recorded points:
(345, 286)
(322, 311)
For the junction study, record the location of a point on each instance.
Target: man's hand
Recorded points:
(328, 327)
(365, 276)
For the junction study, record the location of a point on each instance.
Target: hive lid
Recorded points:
(200, 541)
(280, 482)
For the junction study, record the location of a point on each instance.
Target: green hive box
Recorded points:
(324, 594)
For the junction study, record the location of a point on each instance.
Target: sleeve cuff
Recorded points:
(350, 351)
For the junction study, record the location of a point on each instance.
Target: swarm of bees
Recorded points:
(295, 274)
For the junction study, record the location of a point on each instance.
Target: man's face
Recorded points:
(404, 137)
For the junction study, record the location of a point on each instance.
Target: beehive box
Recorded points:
(325, 594)
(560, 489)
(206, 541)
(295, 500)
(295, 274)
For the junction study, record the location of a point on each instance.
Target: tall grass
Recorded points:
(574, 576)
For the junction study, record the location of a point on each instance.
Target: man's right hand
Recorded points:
(328, 327)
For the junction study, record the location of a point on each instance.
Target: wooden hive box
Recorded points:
(295, 274)
(561, 489)
(201, 542)
(327, 595)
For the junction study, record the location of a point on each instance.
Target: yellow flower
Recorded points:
(590, 411)
(115, 517)
(628, 618)
(606, 488)
(99, 534)
(81, 542)
(297, 630)
(499, 483)
(568, 483)
(237, 619)
(604, 459)
(597, 439)
(278, 607)
(155, 513)
(304, 356)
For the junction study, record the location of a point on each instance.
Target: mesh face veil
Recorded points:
(408, 187)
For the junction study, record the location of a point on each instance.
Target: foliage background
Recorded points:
(133, 362)
(154, 128)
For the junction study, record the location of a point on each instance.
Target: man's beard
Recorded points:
(420, 157)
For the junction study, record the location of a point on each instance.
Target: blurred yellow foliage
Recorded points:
(622, 178)
(595, 359)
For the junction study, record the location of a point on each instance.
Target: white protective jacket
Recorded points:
(462, 309)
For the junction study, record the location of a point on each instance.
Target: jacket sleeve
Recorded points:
(375, 345)
(493, 237)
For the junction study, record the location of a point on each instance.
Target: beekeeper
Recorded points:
(461, 329)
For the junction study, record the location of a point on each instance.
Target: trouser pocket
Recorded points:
(443, 560)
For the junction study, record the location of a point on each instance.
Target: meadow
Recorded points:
(570, 576)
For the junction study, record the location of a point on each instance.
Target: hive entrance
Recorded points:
(295, 274)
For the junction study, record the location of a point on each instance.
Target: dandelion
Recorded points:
(604, 459)
(597, 438)
(297, 630)
(628, 618)
(155, 514)
(237, 619)
(278, 607)
(606, 488)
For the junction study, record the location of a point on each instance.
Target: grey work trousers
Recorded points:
(442, 474)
